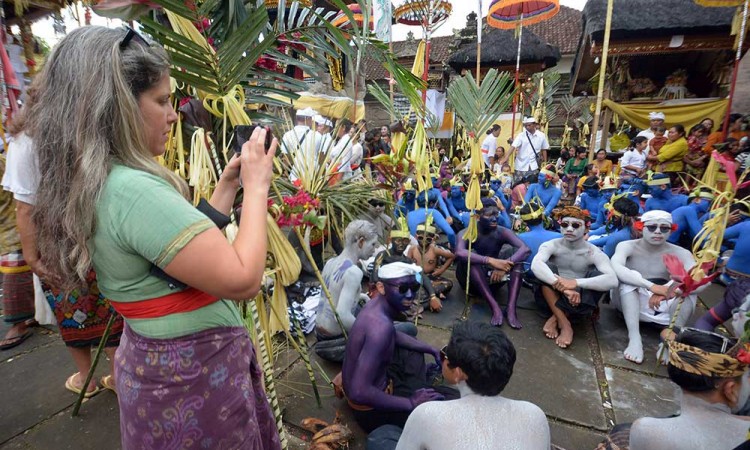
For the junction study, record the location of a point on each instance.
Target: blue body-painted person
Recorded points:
(496, 184)
(545, 190)
(591, 196)
(689, 218)
(407, 202)
(457, 201)
(533, 216)
(662, 198)
(621, 214)
(425, 208)
(607, 190)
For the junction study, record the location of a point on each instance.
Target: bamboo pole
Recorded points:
(99, 351)
(737, 60)
(602, 76)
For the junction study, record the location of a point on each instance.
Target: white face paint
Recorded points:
(572, 229)
(660, 233)
(368, 248)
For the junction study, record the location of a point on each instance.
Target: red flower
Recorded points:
(743, 355)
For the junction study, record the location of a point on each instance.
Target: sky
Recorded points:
(461, 8)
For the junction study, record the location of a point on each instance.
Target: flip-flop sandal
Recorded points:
(15, 341)
(72, 387)
(108, 383)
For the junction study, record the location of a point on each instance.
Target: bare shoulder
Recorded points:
(680, 252)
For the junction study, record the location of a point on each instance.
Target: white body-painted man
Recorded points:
(715, 391)
(574, 290)
(343, 277)
(644, 280)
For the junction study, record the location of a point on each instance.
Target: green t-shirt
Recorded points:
(142, 220)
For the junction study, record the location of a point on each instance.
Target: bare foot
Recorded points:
(514, 322)
(634, 352)
(550, 328)
(565, 338)
(497, 319)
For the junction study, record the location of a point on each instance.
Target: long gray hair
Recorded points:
(85, 118)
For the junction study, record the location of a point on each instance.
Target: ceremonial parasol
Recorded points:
(430, 15)
(510, 14)
(738, 57)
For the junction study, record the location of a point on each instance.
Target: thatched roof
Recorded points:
(654, 18)
(499, 47)
(405, 52)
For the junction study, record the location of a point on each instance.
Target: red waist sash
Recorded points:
(184, 301)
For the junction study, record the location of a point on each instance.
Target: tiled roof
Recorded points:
(563, 30)
(405, 51)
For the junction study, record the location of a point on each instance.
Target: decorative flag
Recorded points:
(382, 15)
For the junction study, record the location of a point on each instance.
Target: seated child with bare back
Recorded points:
(435, 260)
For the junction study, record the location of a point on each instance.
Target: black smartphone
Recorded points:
(242, 134)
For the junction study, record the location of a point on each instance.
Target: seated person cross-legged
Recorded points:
(384, 373)
(479, 360)
(573, 273)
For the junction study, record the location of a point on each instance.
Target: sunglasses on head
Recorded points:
(132, 35)
(404, 288)
(443, 353)
(566, 224)
(377, 204)
(663, 228)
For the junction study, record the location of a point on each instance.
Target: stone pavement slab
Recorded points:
(41, 335)
(573, 438)
(637, 395)
(613, 338)
(96, 427)
(561, 382)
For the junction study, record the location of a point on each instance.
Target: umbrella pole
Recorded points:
(479, 41)
(602, 75)
(518, 69)
(737, 60)
(426, 62)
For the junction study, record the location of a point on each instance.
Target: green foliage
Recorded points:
(477, 107)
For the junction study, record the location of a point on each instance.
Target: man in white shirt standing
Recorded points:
(633, 162)
(489, 145)
(530, 148)
(323, 125)
(657, 120)
(301, 145)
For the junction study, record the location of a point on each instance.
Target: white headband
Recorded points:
(655, 216)
(307, 112)
(656, 116)
(398, 270)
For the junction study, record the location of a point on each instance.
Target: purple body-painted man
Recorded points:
(488, 271)
(373, 341)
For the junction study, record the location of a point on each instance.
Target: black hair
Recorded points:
(589, 167)
(526, 209)
(565, 154)
(484, 354)
(680, 129)
(591, 182)
(696, 128)
(626, 207)
(493, 128)
(601, 150)
(705, 341)
(638, 139)
(581, 149)
(346, 124)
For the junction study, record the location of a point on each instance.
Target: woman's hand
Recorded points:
(257, 161)
(231, 174)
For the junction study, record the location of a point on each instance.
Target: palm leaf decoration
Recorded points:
(477, 107)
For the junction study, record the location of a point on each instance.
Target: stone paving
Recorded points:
(584, 390)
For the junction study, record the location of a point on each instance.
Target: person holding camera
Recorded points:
(185, 360)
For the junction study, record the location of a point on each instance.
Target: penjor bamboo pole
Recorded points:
(737, 60)
(602, 75)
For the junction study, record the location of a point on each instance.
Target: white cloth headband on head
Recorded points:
(656, 116)
(656, 215)
(307, 112)
(398, 270)
(529, 120)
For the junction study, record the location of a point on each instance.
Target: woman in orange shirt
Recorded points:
(735, 131)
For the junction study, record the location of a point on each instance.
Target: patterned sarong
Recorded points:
(82, 315)
(18, 288)
(198, 391)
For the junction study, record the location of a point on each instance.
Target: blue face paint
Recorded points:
(495, 185)
(456, 192)
(542, 178)
(608, 193)
(435, 182)
(410, 195)
(592, 192)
